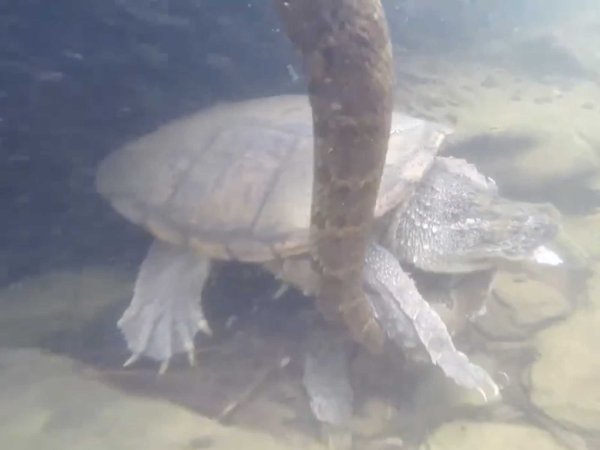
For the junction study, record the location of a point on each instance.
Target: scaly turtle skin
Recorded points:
(234, 182)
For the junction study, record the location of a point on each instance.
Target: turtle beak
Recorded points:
(543, 255)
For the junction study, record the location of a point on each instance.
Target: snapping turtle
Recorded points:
(234, 182)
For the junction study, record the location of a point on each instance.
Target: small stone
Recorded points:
(497, 322)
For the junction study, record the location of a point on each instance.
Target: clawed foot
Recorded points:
(164, 366)
(161, 334)
(165, 313)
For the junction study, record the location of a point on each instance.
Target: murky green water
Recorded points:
(521, 85)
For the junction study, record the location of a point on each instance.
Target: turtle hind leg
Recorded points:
(165, 313)
(326, 379)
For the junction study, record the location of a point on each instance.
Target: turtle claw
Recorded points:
(482, 392)
(495, 392)
(165, 313)
(397, 299)
(164, 366)
(132, 359)
(545, 256)
(191, 355)
(203, 326)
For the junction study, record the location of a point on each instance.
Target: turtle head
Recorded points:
(457, 222)
(481, 237)
(514, 231)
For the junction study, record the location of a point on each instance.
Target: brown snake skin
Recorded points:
(348, 61)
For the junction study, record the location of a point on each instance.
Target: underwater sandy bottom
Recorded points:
(536, 134)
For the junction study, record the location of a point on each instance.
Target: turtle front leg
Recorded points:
(165, 313)
(397, 299)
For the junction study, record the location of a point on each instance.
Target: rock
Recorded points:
(497, 323)
(531, 302)
(49, 402)
(583, 235)
(565, 380)
(463, 435)
(62, 301)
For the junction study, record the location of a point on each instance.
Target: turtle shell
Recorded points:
(234, 181)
